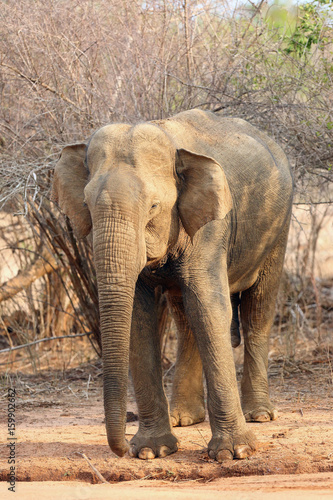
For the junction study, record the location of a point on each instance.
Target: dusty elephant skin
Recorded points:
(199, 205)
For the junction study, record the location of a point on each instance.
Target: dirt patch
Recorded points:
(60, 416)
(304, 487)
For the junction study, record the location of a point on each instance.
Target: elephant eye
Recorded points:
(154, 209)
(155, 205)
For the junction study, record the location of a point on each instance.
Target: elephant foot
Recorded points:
(149, 447)
(238, 445)
(182, 415)
(260, 412)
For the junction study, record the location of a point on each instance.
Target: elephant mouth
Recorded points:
(154, 264)
(156, 253)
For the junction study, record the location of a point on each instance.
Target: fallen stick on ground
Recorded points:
(98, 474)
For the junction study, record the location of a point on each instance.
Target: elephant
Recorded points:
(199, 206)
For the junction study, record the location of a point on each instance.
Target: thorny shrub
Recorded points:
(66, 68)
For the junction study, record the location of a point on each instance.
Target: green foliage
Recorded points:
(313, 18)
(282, 16)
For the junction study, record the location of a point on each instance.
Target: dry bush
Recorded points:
(304, 318)
(67, 68)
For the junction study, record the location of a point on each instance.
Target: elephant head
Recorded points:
(132, 187)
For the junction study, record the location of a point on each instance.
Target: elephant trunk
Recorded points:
(117, 268)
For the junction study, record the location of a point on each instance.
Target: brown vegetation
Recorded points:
(67, 68)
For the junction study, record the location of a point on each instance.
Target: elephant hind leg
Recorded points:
(187, 401)
(257, 315)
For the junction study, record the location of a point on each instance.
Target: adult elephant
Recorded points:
(199, 204)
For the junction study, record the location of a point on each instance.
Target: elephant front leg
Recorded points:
(208, 309)
(187, 401)
(235, 332)
(257, 314)
(154, 437)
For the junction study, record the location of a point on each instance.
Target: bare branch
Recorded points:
(38, 82)
(23, 346)
(44, 264)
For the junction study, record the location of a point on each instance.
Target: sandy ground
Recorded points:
(307, 486)
(59, 417)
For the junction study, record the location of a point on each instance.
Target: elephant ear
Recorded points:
(69, 181)
(205, 193)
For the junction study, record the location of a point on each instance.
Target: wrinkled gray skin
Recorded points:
(200, 205)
